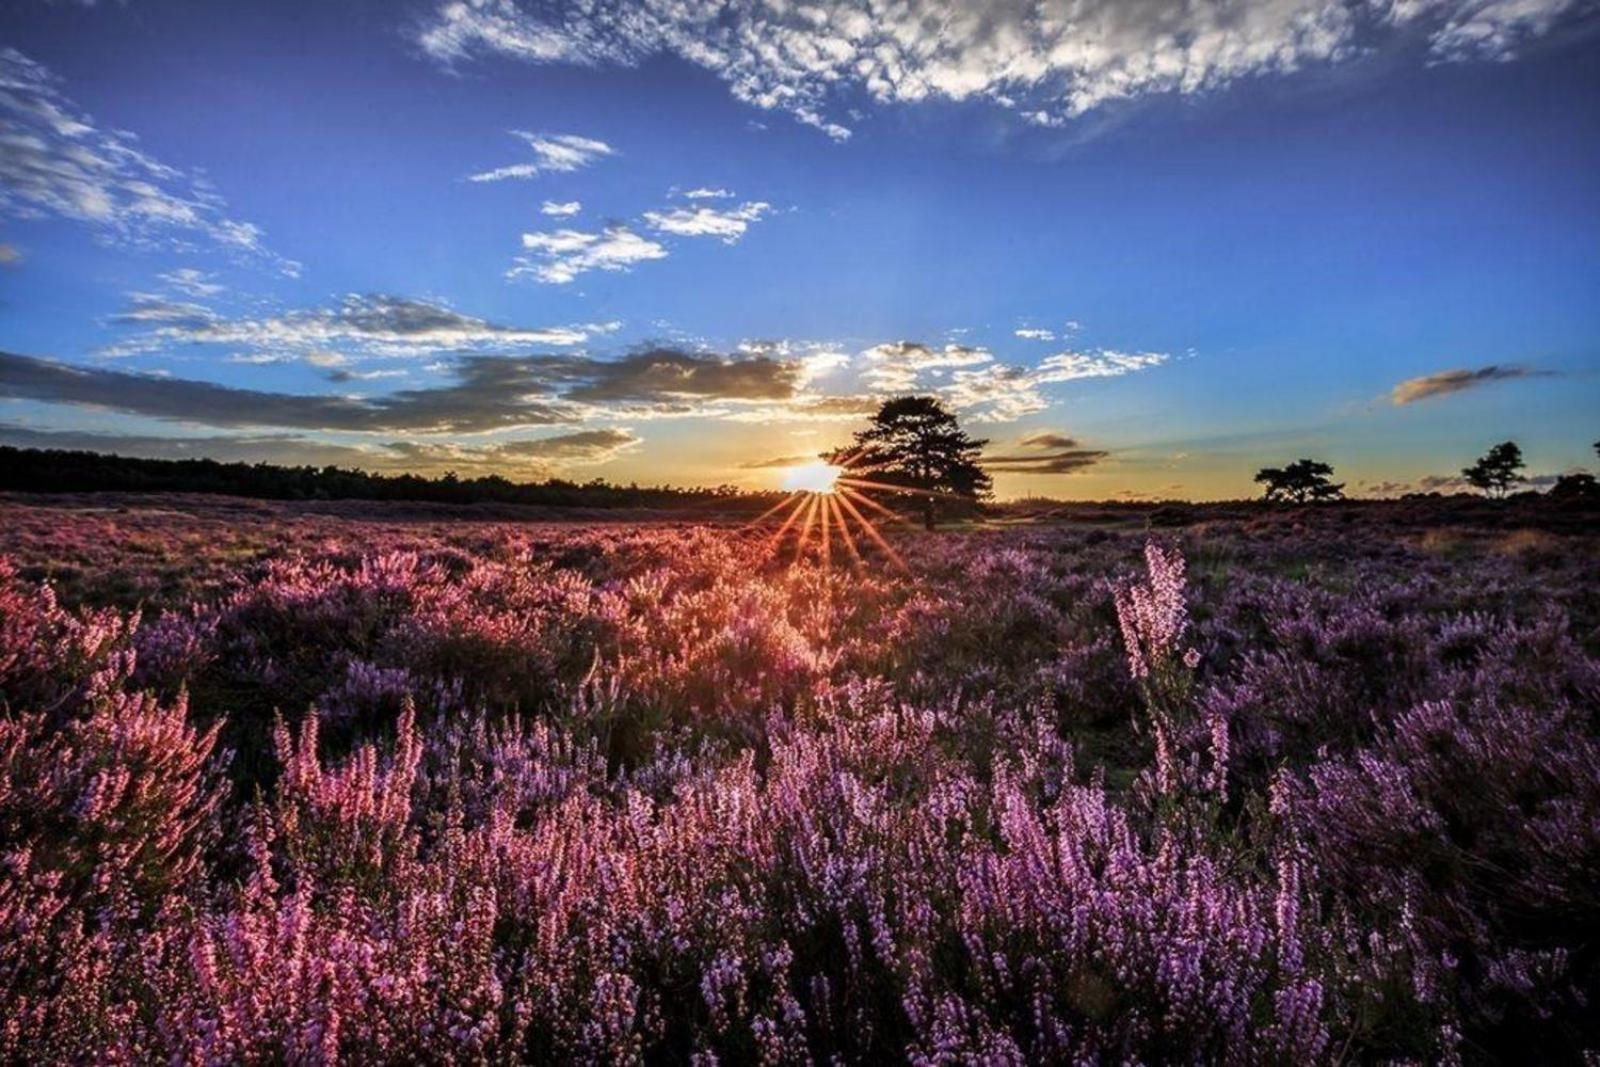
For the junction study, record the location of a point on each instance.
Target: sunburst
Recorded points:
(828, 500)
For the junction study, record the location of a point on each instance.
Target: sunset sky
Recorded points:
(1143, 247)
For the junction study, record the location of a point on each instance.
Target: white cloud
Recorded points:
(191, 282)
(1002, 392)
(1102, 363)
(54, 160)
(896, 366)
(1047, 59)
(557, 152)
(373, 325)
(729, 225)
(704, 193)
(561, 209)
(1029, 333)
(560, 256)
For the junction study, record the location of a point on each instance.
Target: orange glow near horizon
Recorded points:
(825, 499)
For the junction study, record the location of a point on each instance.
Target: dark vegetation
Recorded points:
(33, 470)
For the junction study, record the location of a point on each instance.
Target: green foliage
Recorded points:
(1303, 481)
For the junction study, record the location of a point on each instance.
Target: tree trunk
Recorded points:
(927, 513)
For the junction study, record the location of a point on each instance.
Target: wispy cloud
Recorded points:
(560, 209)
(54, 160)
(728, 225)
(191, 282)
(1031, 333)
(374, 324)
(1049, 60)
(1045, 453)
(552, 152)
(560, 256)
(707, 193)
(1446, 382)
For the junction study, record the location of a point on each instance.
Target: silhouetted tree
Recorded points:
(1302, 481)
(915, 442)
(1498, 470)
(1575, 487)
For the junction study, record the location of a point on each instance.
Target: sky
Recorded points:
(1142, 247)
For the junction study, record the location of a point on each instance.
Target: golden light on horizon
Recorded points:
(814, 477)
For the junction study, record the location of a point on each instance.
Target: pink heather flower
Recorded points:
(1152, 613)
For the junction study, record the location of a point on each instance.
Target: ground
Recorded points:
(1223, 782)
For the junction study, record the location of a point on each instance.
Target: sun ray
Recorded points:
(799, 503)
(861, 484)
(825, 529)
(844, 533)
(860, 497)
(871, 530)
(773, 510)
(805, 527)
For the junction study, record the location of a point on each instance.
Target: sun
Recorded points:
(814, 477)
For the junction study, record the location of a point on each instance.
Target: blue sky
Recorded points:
(1193, 239)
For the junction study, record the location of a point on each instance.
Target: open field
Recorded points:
(312, 781)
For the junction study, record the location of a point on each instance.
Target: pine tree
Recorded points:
(914, 441)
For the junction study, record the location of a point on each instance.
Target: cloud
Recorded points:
(486, 393)
(1048, 439)
(667, 374)
(729, 225)
(704, 193)
(777, 462)
(1101, 363)
(191, 282)
(1033, 334)
(896, 365)
(988, 390)
(1446, 382)
(1049, 60)
(1000, 392)
(527, 457)
(55, 161)
(560, 256)
(562, 209)
(559, 152)
(1046, 453)
(374, 324)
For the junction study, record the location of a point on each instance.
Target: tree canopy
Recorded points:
(1303, 481)
(1498, 470)
(914, 441)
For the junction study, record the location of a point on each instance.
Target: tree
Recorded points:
(913, 441)
(1498, 470)
(1575, 487)
(1302, 481)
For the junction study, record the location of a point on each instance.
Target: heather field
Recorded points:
(285, 783)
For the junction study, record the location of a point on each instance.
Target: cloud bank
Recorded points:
(485, 394)
(1049, 60)
(372, 324)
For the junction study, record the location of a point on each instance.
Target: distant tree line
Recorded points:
(1495, 473)
(54, 471)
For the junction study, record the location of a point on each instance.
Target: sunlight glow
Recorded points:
(813, 477)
